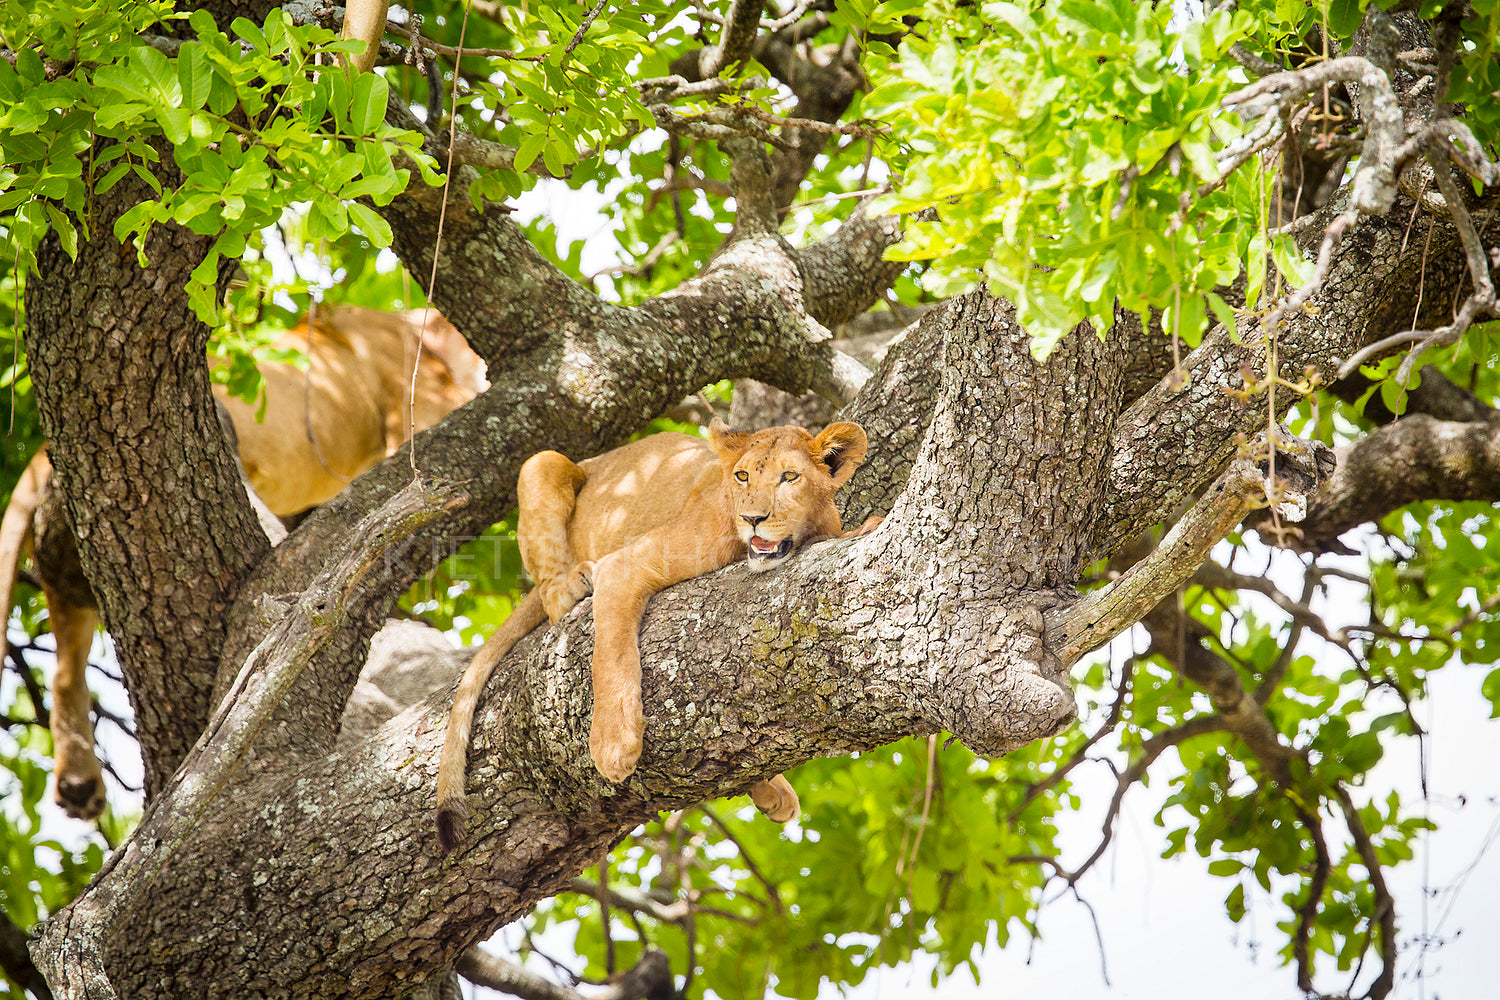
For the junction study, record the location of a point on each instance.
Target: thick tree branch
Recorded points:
(152, 487)
(1435, 395)
(291, 702)
(364, 21)
(576, 374)
(1182, 642)
(1153, 748)
(735, 44)
(835, 652)
(847, 272)
(1369, 272)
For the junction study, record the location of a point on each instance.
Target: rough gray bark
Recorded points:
(153, 490)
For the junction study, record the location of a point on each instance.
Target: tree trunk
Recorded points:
(165, 530)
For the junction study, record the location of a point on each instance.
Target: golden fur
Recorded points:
(351, 407)
(323, 426)
(632, 522)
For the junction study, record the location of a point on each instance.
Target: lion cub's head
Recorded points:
(780, 484)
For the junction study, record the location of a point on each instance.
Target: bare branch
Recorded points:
(1375, 181)
(1103, 614)
(1384, 918)
(1416, 458)
(583, 26)
(1308, 911)
(1153, 748)
(1116, 712)
(1181, 642)
(740, 27)
(626, 898)
(650, 976)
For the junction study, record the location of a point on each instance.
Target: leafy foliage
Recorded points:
(251, 128)
(1058, 144)
(38, 873)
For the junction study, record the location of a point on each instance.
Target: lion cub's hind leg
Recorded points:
(547, 489)
(777, 799)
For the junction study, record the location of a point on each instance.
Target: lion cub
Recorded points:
(631, 522)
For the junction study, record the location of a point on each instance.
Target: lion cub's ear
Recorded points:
(730, 444)
(841, 447)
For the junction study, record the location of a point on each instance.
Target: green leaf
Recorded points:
(160, 78)
(1224, 313)
(367, 104)
(249, 31)
(112, 177)
(1490, 689)
(1393, 395)
(1224, 867)
(530, 148)
(194, 75)
(1234, 903)
(1344, 16)
(176, 124)
(370, 223)
(65, 230)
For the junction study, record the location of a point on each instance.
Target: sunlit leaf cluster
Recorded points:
(250, 124)
(1058, 145)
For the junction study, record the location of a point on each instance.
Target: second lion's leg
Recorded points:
(80, 783)
(547, 489)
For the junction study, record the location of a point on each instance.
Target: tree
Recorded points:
(1112, 177)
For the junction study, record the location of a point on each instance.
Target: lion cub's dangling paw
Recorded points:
(615, 739)
(777, 799)
(561, 595)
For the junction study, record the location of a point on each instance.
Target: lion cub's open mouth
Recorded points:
(769, 551)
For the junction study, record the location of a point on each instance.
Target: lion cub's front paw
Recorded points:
(777, 799)
(615, 741)
(560, 596)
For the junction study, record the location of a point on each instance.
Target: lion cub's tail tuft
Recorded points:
(453, 810)
(452, 815)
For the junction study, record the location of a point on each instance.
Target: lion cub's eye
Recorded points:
(788, 477)
(742, 476)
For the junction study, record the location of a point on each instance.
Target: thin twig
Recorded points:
(750, 864)
(583, 27)
(1153, 748)
(1384, 917)
(1116, 712)
(1308, 911)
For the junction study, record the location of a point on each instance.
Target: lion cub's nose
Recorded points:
(753, 519)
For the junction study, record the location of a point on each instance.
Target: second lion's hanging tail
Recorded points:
(452, 809)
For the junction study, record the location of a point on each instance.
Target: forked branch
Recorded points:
(1103, 614)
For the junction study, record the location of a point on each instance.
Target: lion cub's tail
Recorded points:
(453, 810)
